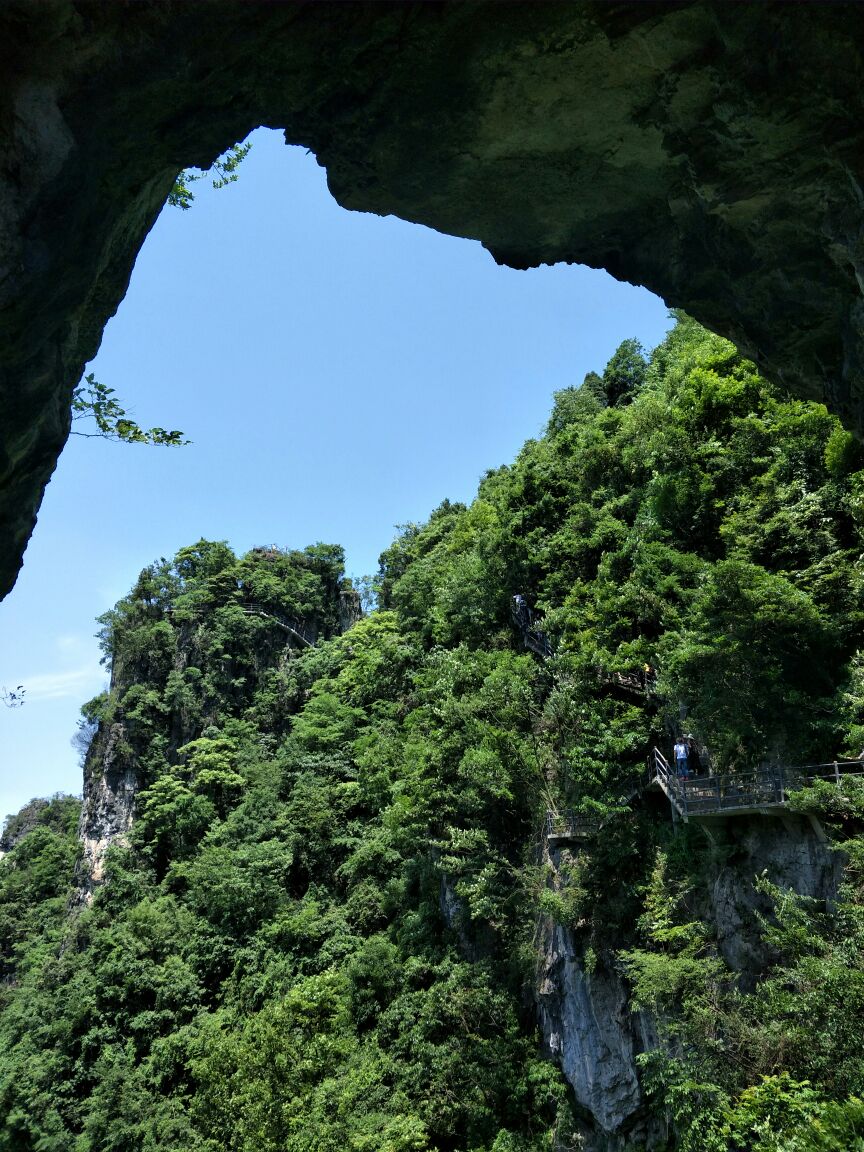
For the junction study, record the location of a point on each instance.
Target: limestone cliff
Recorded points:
(110, 785)
(583, 1007)
(709, 151)
(182, 672)
(587, 1028)
(791, 851)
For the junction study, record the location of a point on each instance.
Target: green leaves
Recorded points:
(319, 934)
(94, 401)
(625, 373)
(223, 172)
(756, 662)
(781, 1114)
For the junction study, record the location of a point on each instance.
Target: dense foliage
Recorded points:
(320, 933)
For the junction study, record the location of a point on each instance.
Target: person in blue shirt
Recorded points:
(681, 751)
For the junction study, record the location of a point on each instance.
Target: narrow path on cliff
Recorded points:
(742, 793)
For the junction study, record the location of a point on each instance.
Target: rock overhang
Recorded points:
(710, 152)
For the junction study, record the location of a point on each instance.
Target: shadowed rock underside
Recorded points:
(710, 152)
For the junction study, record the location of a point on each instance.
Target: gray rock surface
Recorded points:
(350, 609)
(584, 1015)
(110, 787)
(16, 827)
(791, 852)
(712, 152)
(586, 1027)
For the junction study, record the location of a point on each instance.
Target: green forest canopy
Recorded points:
(320, 932)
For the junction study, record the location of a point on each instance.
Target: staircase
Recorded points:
(534, 639)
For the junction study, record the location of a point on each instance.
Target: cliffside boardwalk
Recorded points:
(569, 828)
(642, 684)
(741, 793)
(534, 639)
(295, 628)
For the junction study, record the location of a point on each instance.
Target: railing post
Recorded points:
(836, 774)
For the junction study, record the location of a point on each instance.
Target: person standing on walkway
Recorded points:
(681, 758)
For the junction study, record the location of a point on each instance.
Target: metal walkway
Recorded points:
(741, 793)
(534, 639)
(569, 828)
(292, 627)
(642, 684)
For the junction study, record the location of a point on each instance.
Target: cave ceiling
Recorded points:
(711, 152)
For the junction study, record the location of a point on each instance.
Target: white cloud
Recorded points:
(58, 685)
(70, 642)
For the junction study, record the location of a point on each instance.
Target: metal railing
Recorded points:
(640, 683)
(759, 788)
(294, 627)
(534, 638)
(570, 825)
(537, 642)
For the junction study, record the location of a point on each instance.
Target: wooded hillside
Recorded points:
(321, 932)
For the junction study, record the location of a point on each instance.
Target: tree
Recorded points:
(593, 384)
(625, 373)
(574, 404)
(92, 400)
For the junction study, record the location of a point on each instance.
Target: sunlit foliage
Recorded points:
(320, 933)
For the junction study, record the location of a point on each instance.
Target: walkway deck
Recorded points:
(641, 684)
(569, 828)
(742, 793)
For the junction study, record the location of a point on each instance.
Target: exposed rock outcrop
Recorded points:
(350, 609)
(791, 852)
(110, 786)
(588, 1029)
(16, 827)
(709, 151)
(204, 648)
(583, 1009)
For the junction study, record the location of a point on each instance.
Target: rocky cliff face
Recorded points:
(588, 1029)
(350, 609)
(791, 852)
(583, 1010)
(110, 785)
(709, 151)
(210, 632)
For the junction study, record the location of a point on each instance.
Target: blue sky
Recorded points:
(338, 373)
